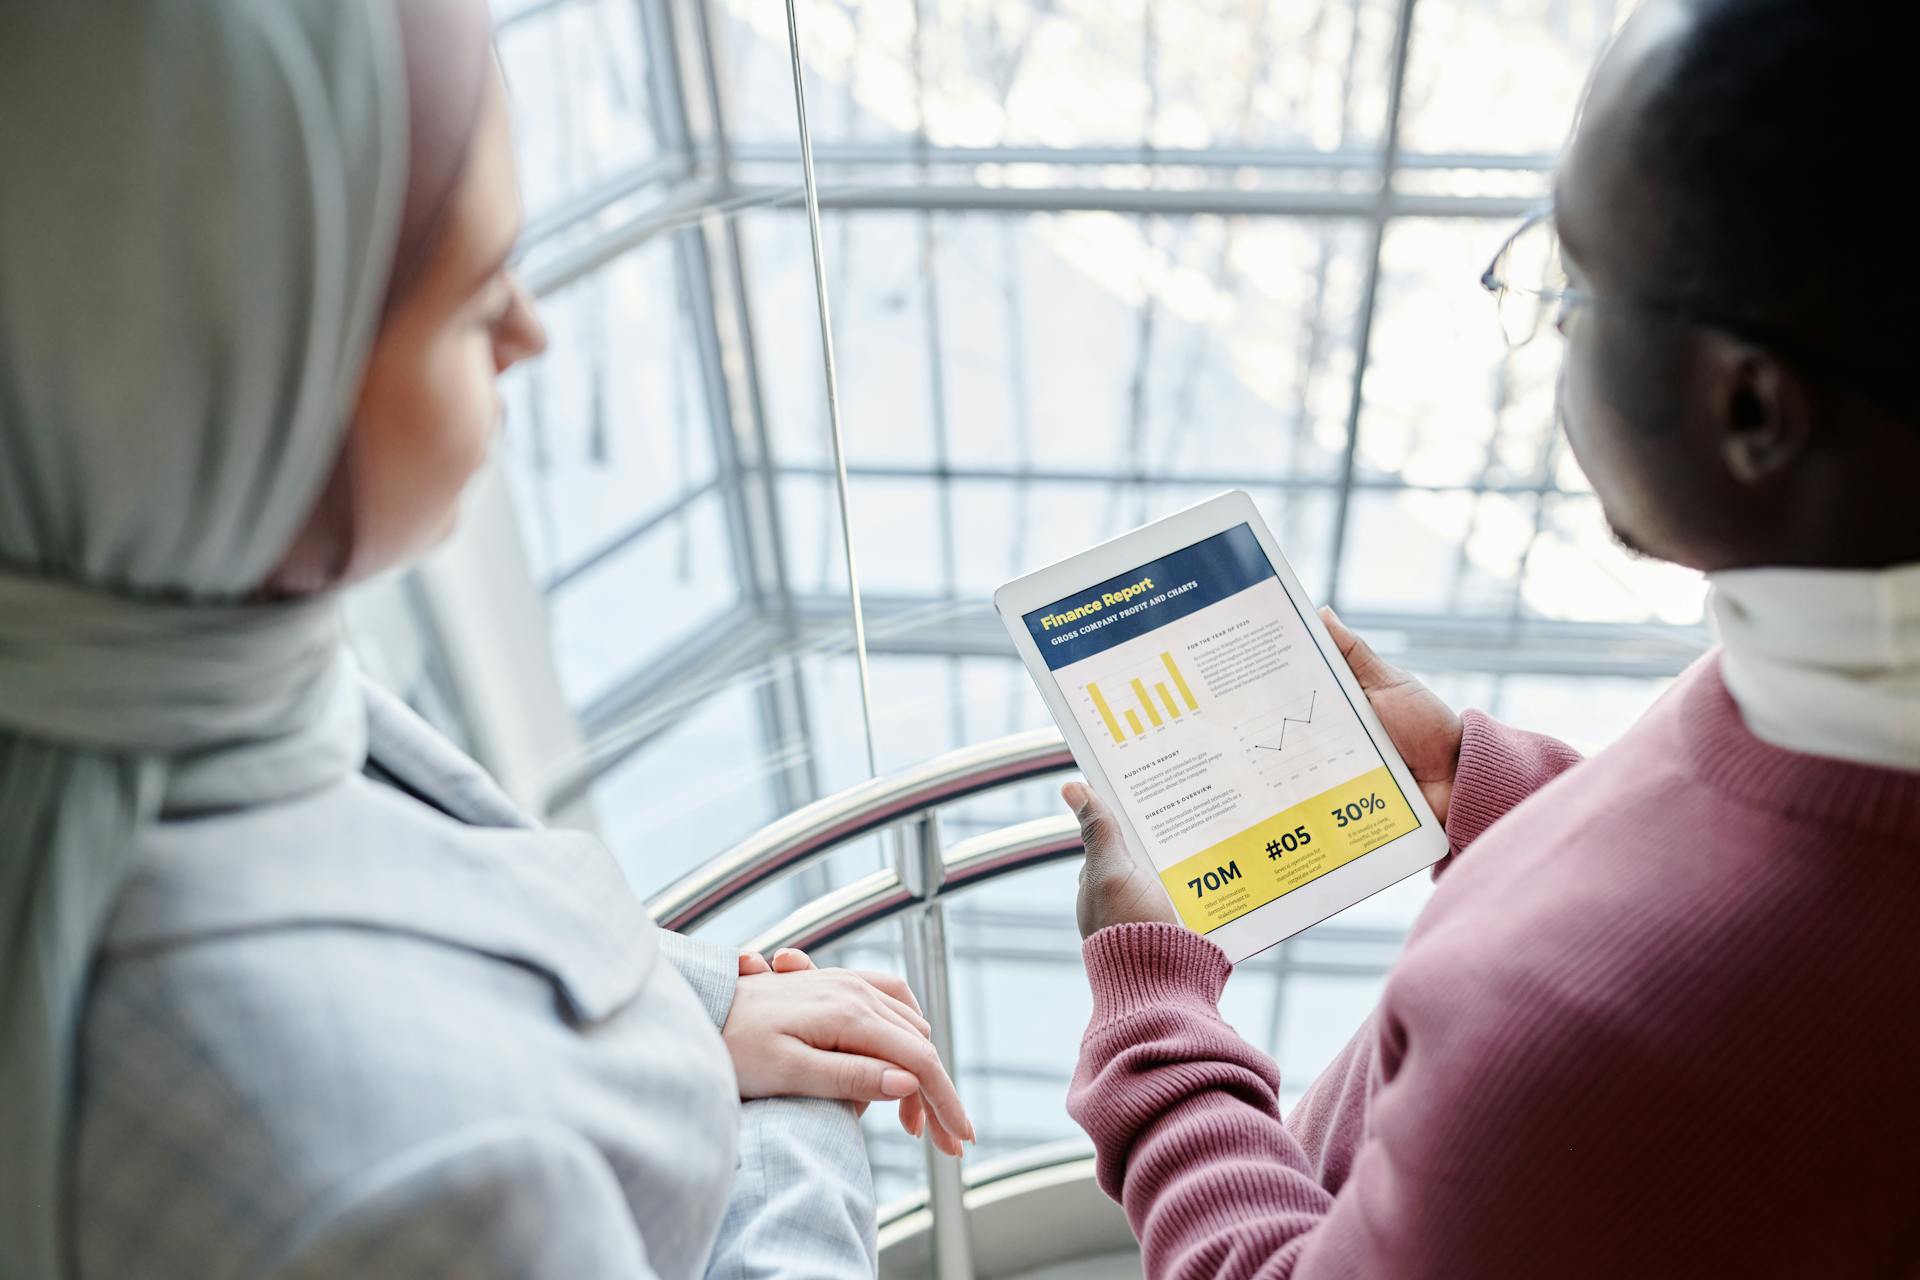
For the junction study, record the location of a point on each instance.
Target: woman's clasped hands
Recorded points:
(799, 1031)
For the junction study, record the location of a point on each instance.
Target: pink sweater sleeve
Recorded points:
(1185, 1115)
(1499, 767)
(1461, 1165)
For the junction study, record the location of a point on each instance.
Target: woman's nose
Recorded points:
(521, 335)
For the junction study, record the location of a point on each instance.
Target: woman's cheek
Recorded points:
(467, 403)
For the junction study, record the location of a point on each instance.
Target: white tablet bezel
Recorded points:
(1314, 901)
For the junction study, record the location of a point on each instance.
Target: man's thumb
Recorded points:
(1096, 825)
(1367, 666)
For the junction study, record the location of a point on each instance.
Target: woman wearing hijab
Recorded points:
(288, 988)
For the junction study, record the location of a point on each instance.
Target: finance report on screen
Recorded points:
(1236, 753)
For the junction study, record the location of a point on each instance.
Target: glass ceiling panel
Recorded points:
(1501, 76)
(577, 72)
(1579, 570)
(649, 600)
(1070, 73)
(1072, 342)
(666, 809)
(1453, 552)
(609, 428)
(1446, 403)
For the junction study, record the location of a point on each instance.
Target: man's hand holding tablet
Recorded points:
(1116, 889)
(1239, 780)
(1423, 727)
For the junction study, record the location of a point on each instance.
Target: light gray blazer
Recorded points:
(356, 1035)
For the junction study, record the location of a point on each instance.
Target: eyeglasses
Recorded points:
(1528, 280)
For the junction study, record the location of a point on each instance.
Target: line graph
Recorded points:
(1296, 749)
(1285, 720)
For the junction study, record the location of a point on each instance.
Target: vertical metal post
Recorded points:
(783, 699)
(1369, 293)
(828, 366)
(666, 95)
(710, 260)
(935, 344)
(924, 940)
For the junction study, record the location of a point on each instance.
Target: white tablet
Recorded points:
(1208, 706)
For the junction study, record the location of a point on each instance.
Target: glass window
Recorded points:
(578, 74)
(647, 603)
(665, 809)
(1447, 404)
(611, 427)
(1578, 569)
(1501, 76)
(1212, 73)
(1436, 551)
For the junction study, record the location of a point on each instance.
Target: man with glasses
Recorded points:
(1662, 1014)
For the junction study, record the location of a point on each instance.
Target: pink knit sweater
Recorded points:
(1661, 1018)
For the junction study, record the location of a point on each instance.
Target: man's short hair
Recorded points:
(1776, 149)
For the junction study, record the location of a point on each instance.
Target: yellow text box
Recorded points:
(1246, 871)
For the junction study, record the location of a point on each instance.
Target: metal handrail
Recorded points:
(810, 833)
(912, 890)
(883, 895)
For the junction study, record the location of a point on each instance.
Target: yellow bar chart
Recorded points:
(1151, 710)
(1106, 712)
(1140, 692)
(1179, 681)
(1167, 698)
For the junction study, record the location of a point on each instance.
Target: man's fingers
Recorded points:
(752, 964)
(1097, 830)
(1368, 667)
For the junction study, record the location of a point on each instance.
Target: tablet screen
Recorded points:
(1240, 760)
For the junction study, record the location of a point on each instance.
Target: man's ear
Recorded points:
(1763, 408)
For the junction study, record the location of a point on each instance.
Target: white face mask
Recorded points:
(1825, 661)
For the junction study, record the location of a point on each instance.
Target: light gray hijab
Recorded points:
(199, 203)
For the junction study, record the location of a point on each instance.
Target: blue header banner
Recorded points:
(1158, 592)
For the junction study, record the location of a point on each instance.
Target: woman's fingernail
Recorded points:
(896, 1083)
